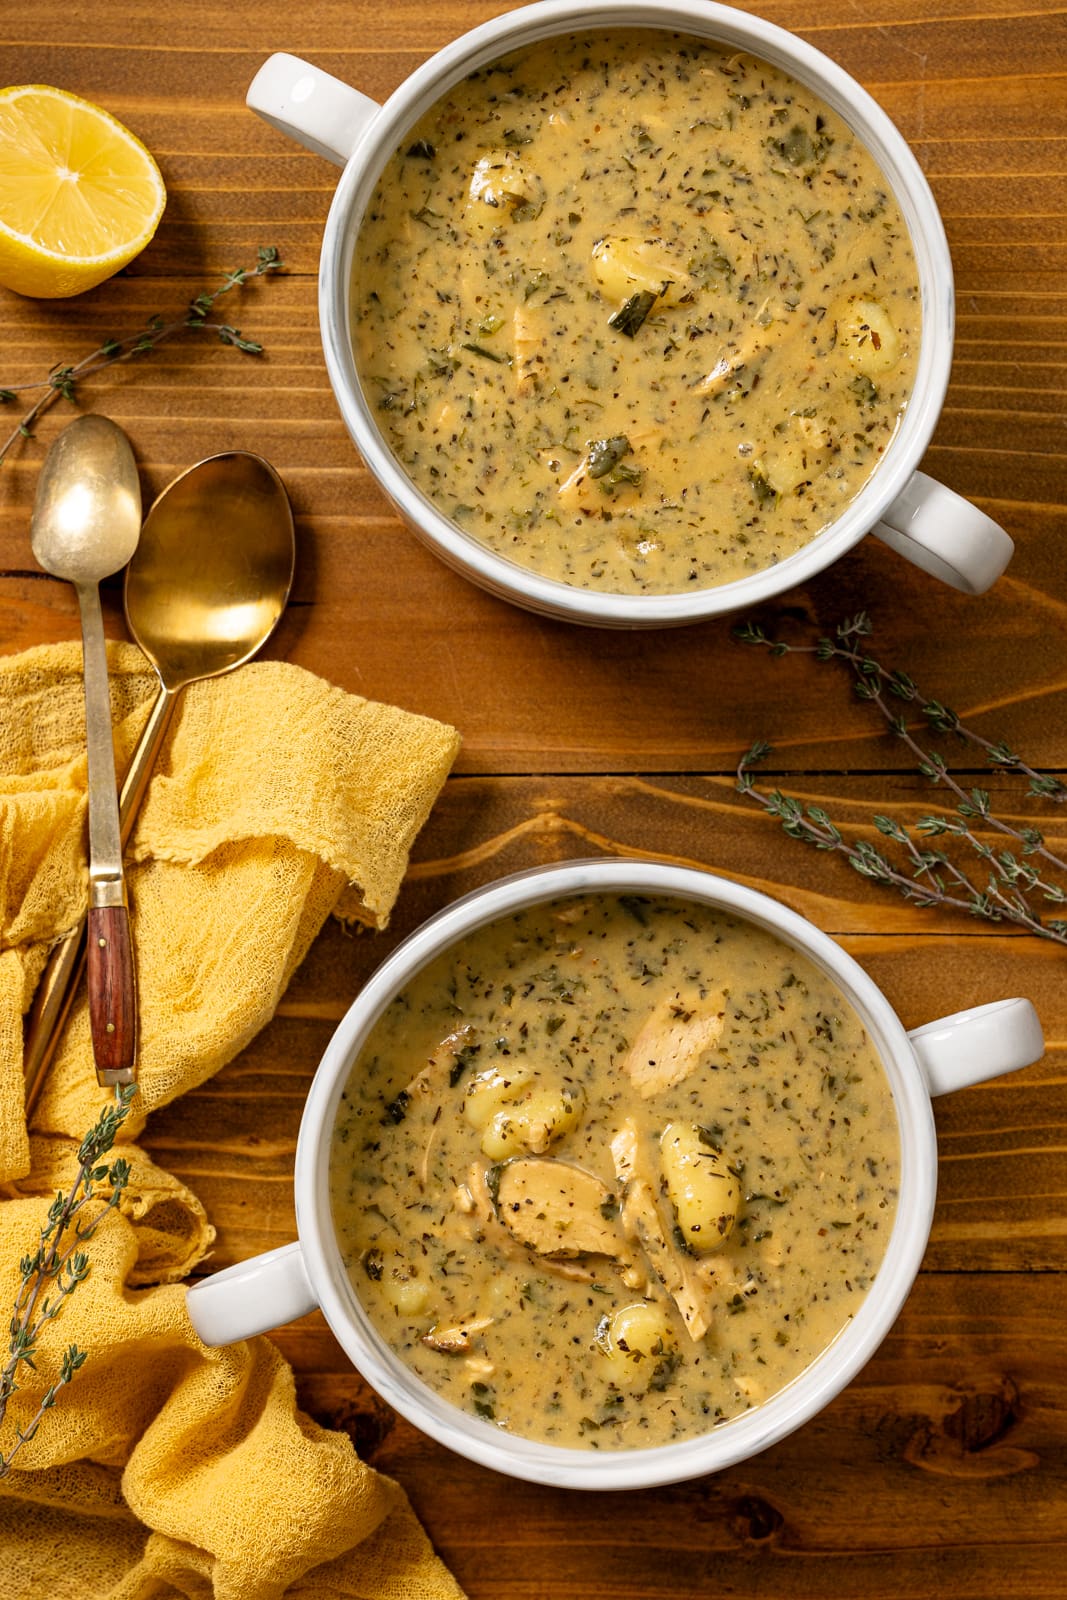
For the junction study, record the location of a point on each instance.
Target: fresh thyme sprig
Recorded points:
(1014, 877)
(63, 381)
(59, 1264)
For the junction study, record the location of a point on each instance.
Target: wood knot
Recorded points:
(982, 1418)
(367, 1424)
(755, 1520)
(969, 1435)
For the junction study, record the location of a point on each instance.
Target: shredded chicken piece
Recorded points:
(557, 1209)
(528, 343)
(424, 1159)
(571, 913)
(756, 342)
(578, 492)
(489, 1224)
(456, 1338)
(478, 1368)
(673, 1040)
(427, 1081)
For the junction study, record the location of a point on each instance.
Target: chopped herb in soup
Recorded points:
(638, 313)
(614, 1169)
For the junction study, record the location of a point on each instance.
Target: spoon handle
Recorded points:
(51, 1007)
(143, 759)
(56, 989)
(112, 976)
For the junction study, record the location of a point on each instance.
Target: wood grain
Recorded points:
(944, 1456)
(111, 984)
(945, 1462)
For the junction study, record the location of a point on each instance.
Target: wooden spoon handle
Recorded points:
(112, 994)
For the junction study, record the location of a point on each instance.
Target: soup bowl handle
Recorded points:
(942, 533)
(976, 1044)
(317, 110)
(252, 1297)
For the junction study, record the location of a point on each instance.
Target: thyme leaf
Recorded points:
(53, 1269)
(865, 391)
(487, 355)
(64, 382)
(966, 872)
(604, 454)
(631, 315)
(801, 148)
(762, 488)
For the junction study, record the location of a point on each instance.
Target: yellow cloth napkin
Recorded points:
(166, 1469)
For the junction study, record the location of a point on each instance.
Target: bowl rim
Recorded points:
(726, 1443)
(896, 161)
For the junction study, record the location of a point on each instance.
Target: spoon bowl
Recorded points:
(87, 514)
(212, 572)
(208, 587)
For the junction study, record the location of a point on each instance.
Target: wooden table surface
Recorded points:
(944, 1462)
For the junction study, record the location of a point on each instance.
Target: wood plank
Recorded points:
(684, 699)
(945, 1455)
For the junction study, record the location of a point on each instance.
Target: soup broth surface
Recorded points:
(637, 312)
(614, 1169)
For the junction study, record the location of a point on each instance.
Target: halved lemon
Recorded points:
(80, 195)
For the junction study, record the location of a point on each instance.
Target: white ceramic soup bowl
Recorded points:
(932, 526)
(286, 1283)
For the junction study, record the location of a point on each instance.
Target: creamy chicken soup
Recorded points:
(638, 313)
(613, 1170)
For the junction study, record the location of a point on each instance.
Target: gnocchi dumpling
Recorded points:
(402, 1287)
(867, 335)
(702, 1187)
(520, 1113)
(797, 454)
(491, 1089)
(504, 188)
(638, 1343)
(624, 267)
(542, 1115)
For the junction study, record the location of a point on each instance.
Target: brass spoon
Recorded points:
(86, 524)
(207, 587)
(206, 590)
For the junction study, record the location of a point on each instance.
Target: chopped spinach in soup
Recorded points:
(614, 1169)
(636, 312)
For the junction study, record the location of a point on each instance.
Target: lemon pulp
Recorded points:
(80, 195)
